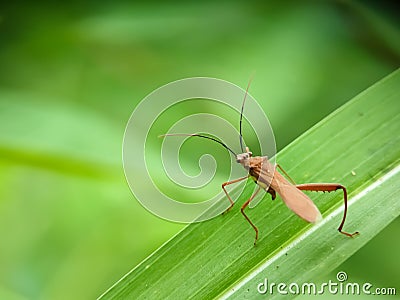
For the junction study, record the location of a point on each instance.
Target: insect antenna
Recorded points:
(241, 115)
(202, 136)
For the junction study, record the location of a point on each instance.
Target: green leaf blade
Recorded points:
(358, 146)
(321, 249)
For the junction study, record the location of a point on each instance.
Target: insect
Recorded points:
(264, 174)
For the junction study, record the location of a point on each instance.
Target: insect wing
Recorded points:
(295, 199)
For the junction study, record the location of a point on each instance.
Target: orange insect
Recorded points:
(264, 174)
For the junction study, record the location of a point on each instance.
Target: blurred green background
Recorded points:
(71, 74)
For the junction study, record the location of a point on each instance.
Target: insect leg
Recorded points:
(226, 193)
(247, 218)
(286, 174)
(329, 187)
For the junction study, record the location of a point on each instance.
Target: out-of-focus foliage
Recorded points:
(72, 73)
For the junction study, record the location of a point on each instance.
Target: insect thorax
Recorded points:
(261, 170)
